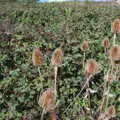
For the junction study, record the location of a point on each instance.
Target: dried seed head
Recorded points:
(116, 26)
(110, 112)
(37, 57)
(57, 57)
(91, 67)
(110, 78)
(46, 100)
(115, 54)
(106, 43)
(84, 46)
(52, 116)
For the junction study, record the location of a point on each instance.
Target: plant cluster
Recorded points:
(59, 61)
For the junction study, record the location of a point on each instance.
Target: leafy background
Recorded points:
(24, 27)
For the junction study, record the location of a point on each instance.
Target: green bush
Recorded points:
(45, 26)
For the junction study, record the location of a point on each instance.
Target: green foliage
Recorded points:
(45, 26)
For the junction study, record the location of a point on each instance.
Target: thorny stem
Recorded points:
(86, 83)
(40, 75)
(84, 60)
(116, 72)
(55, 82)
(114, 38)
(107, 99)
(104, 96)
(42, 115)
(39, 71)
(89, 97)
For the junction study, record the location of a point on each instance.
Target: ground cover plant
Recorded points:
(87, 77)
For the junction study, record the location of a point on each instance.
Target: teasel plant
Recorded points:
(84, 47)
(108, 114)
(46, 101)
(56, 61)
(115, 29)
(106, 44)
(91, 68)
(37, 59)
(114, 55)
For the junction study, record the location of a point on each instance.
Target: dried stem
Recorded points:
(104, 96)
(84, 60)
(107, 99)
(39, 71)
(89, 98)
(55, 82)
(114, 38)
(42, 115)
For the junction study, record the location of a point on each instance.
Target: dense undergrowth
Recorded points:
(45, 26)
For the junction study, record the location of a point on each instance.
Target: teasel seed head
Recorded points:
(115, 54)
(110, 112)
(110, 78)
(37, 57)
(57, 57)
(84, 46)
(106, 43)
(116, 26)
(91, 67)
(46, 100)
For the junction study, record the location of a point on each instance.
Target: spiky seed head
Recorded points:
(84, 46)
(110, 78)
(57, 57)
(46, 100)
(110, 112)
(91, 67)
(37, 57)
(106, 43)
(115, 53)
(116, 26)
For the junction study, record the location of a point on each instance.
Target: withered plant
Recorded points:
(37, 59)
(56, 62)
(46, 101)
(116, 28)
(106, 44)
(84, 47)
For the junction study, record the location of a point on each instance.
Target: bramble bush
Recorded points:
(46, 26)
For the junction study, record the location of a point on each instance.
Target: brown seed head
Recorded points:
(115, 53)
(46, 100)
(57, 57)
(110, 112)
(91, 67)
(116, 26)
(84, 46)
(37, 57)
(110, 78)
(106, 43)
